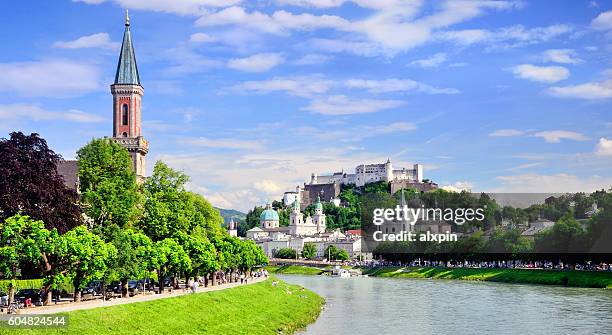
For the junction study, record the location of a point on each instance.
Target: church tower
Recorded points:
(127, 104)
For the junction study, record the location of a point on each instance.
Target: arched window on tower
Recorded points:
(124, 134)
(124, 115)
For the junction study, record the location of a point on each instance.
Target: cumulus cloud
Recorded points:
(17, 112)
(555, 136)
(433, 61)
(343, 105)
(393, 26)
(603, 21)
(546, 74)
(256, 63)
(99, 40)
(269, 187)
(459, 186)
(49, 78)
(507, 133)
(588, 91)
(604, 147)
(562, 56)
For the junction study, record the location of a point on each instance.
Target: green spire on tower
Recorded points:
(127, 71)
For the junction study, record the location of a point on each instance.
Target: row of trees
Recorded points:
(309, 251)
(568, 240)
(118, 229)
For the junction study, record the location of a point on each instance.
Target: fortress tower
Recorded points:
(127, 104)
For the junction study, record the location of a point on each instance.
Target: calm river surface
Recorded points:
(416, 306)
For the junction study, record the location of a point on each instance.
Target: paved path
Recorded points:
(73, 306)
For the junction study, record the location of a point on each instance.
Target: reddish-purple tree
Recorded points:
(31, 185)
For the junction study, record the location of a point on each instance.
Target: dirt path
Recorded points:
(73, 306)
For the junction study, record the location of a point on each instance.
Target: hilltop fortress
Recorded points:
(327, 187)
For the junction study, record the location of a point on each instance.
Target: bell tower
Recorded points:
(127, 104)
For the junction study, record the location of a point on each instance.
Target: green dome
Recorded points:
(319, 205)
(269, 215)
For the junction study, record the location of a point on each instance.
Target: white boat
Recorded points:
(338, 271)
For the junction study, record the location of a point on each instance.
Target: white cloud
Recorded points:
(604, 147)
(459, 186)
(342, 105)
(563, 56)
(17, 112)
(507, 133)
(237, 172)
(547, 74)
(432, 61)
(256, 63)
(299, 86)
(555, 136)
(589, 91)
(201, 38)
(397, 85)
(181, 7)
(224, 143)
(392, 27)
(512, 36)
(99, 40)
(603, 21)
(558, 183)
(312, 59)
(269, 187)
(49, 78)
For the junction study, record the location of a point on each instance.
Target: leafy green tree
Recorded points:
(21, 239)
(286, 253)
(334, 253)
(566, 236)
(201, 252)
(135, 259)
(109, 191)
(252, 220)
(309, 251)
(202, 214)
(86, 256)
(30, 184)
(165, 200)
(169, 257)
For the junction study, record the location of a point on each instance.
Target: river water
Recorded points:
(381, 306)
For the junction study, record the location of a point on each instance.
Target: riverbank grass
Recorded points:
(525, 276)
(261, 308)
(294, 270)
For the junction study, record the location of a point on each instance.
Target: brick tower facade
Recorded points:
(127, 105)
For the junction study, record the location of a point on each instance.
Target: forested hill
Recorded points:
(228, 214)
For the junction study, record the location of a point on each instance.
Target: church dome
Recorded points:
(269, 214)
(319, 205)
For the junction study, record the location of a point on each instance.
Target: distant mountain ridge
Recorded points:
(228, 214)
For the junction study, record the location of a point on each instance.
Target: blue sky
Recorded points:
(250, 97)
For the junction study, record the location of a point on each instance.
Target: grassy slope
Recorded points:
(547, 277)
(254, 309)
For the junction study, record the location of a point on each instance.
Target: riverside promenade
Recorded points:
(74, 306)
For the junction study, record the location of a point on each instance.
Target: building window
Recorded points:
(124, 134)
(124, 115)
